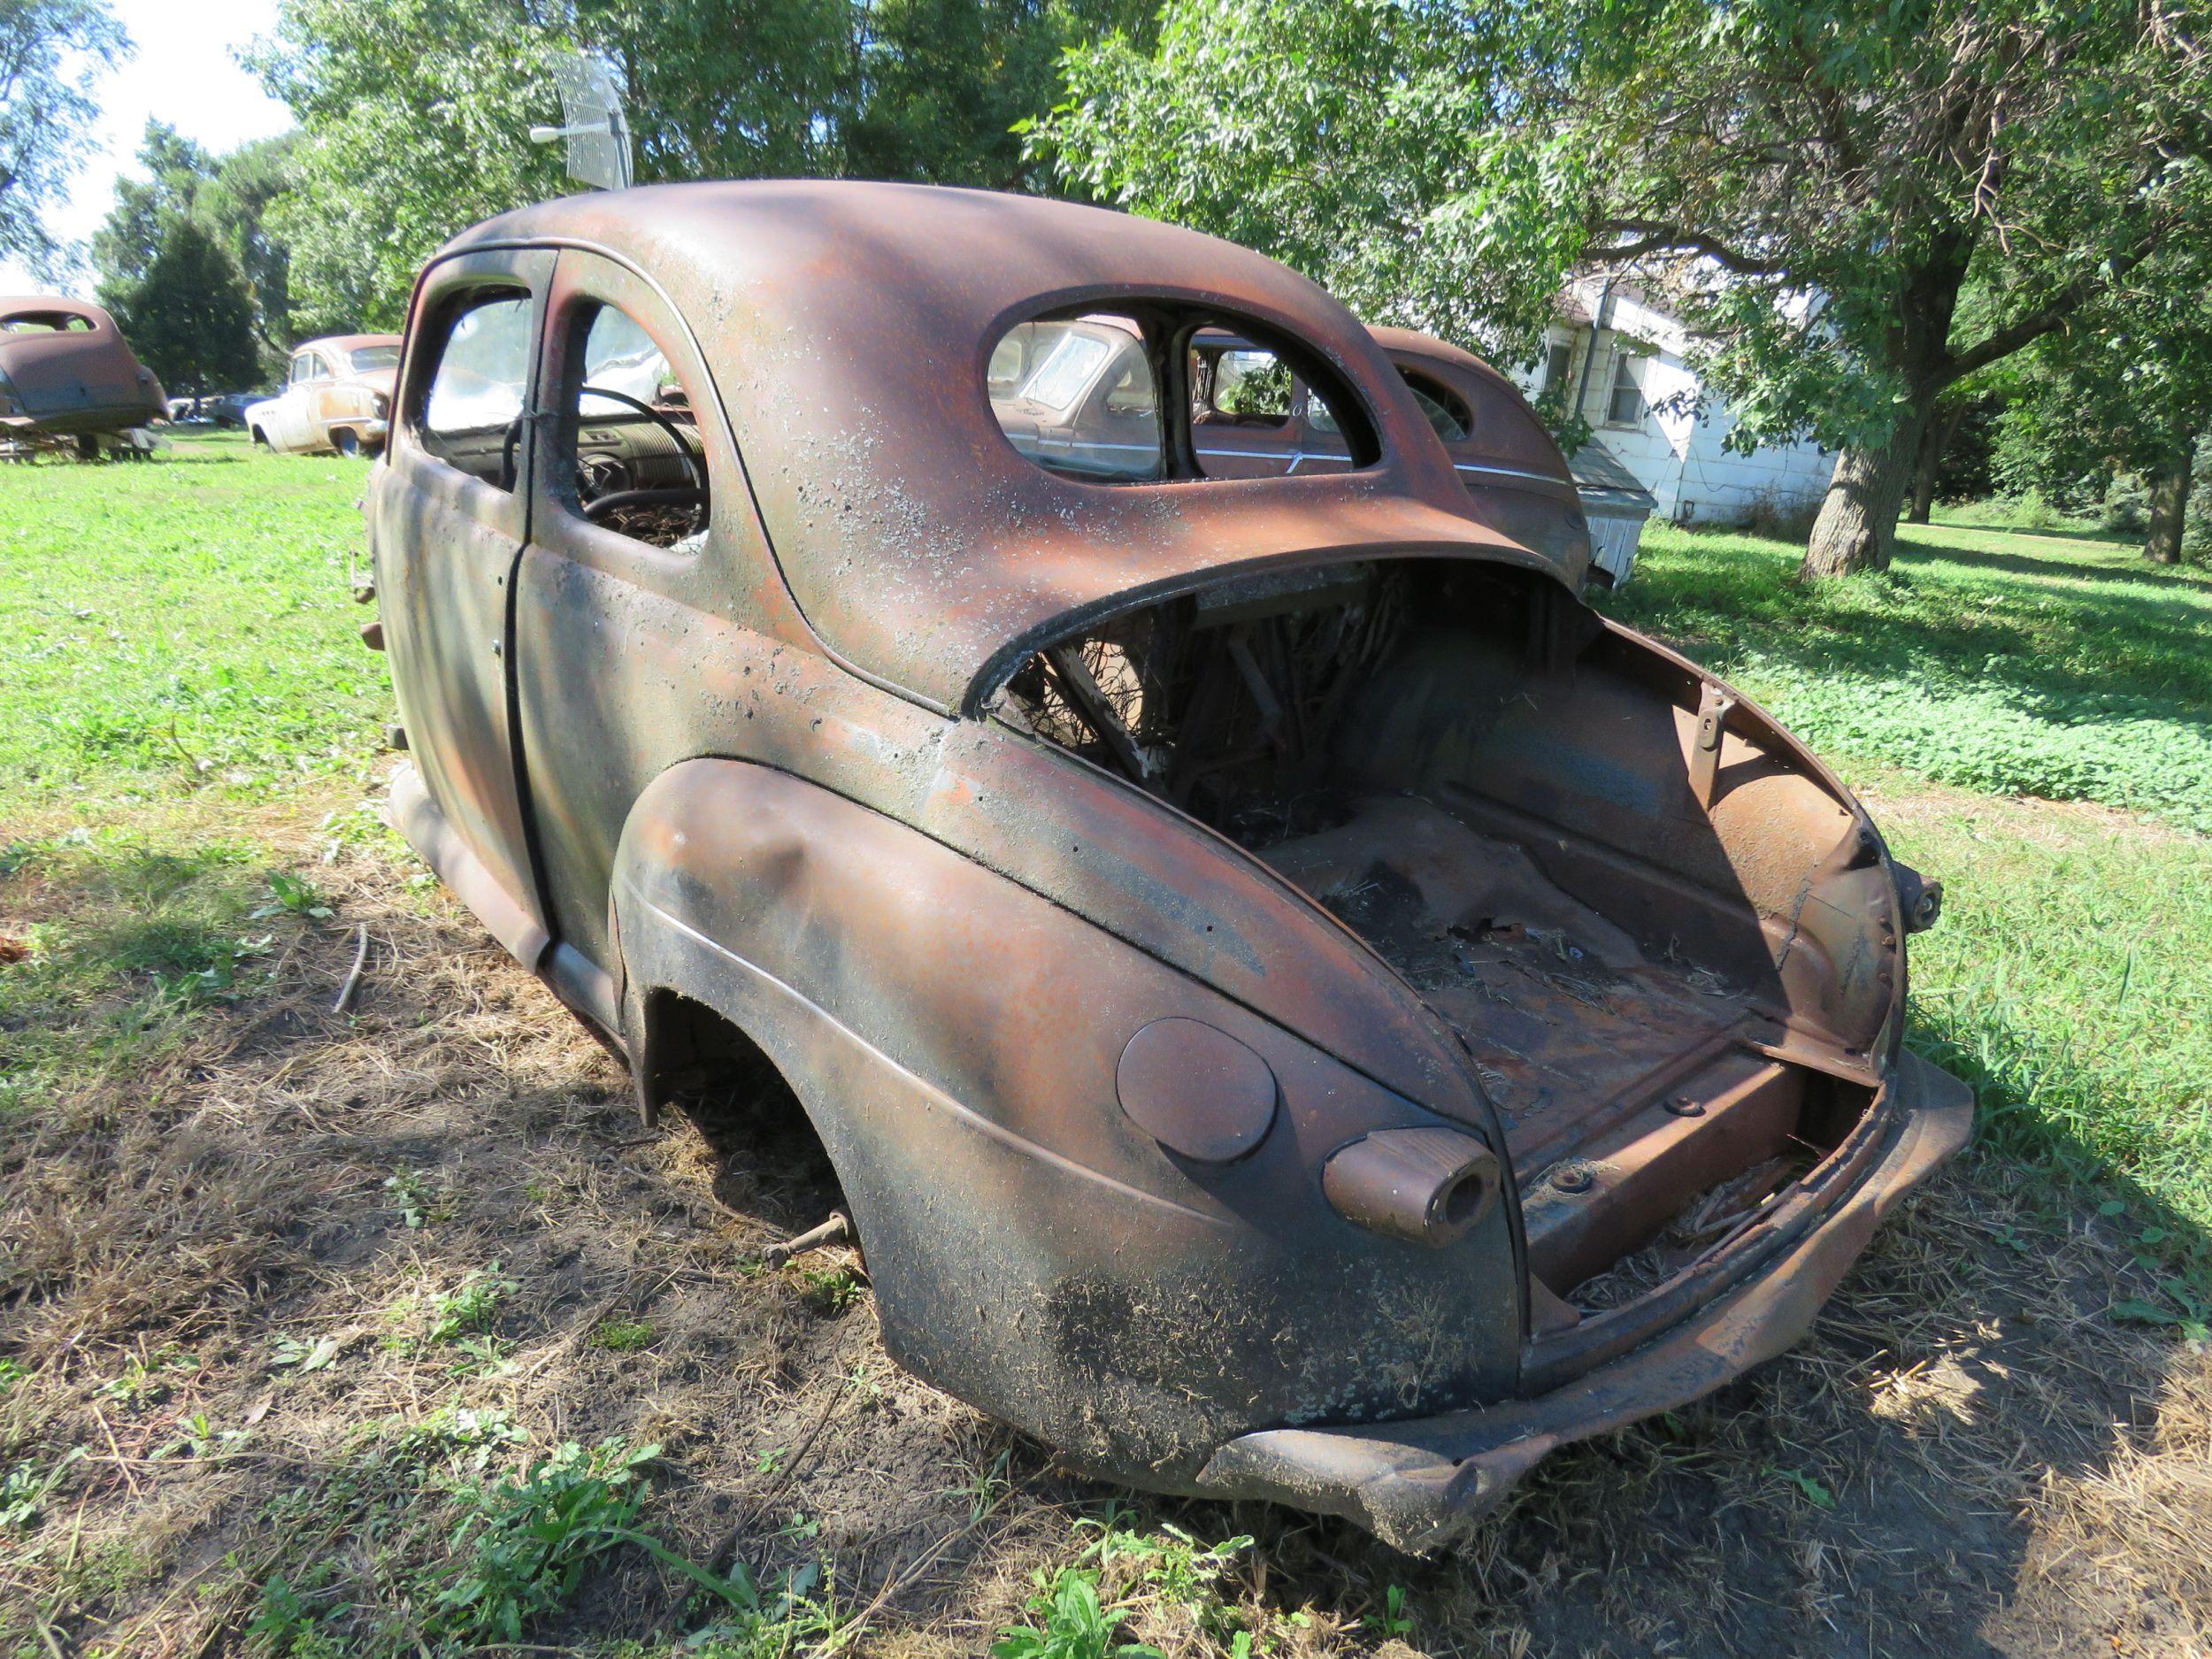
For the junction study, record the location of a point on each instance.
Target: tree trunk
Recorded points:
(1857, 527)
(2169, 509)
(1941, 430)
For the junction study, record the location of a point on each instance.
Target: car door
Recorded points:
(631, 626)
(308, 375)
(450, 516)
(1242, 421)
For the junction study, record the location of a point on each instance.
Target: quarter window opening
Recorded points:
(1447, 416)
(1078, 396)
(1166, 392)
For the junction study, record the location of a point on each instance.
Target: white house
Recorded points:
(1617, 356)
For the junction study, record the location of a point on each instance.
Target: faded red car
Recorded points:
(1298, 1005)
(66, 371)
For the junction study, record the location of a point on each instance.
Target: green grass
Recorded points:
(179, 626)
(2071, 977)
(2008, 662)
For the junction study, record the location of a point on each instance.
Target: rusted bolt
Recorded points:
(1573, 1178)
(1683, 1106)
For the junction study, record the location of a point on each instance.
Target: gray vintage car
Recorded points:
(1298, 1005)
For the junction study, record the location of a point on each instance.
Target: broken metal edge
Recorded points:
(1422, 1484)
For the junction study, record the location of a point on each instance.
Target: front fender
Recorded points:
(954, 1037)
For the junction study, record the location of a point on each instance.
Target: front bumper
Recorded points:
(1421, 1483)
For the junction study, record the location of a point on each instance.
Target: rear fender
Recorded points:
(954, 1039)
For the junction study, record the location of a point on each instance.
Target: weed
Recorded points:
(302, 1358)
(26, 1487)
(1070, 1623)
(829, 1289)
(412, 1197)
(1392, 1620)
(149, 1379)
(290, 895)
(470, 1308)
(196, 1437)
(1814, 1490)
(623, 1336)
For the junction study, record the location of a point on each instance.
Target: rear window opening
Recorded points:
(46, 323)
(1153, 394)
(1664, 968)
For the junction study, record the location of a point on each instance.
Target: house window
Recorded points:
(1625, 406)
(1558, 364)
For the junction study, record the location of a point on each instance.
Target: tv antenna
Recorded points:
(597, 132)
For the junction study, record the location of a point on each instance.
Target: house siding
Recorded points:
(1676, 453)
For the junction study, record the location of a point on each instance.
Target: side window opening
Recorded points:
(1242, 385)
(639, 464)
(1446, 414)
(472, 416)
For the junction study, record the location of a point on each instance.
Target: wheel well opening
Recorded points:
(772, 1163)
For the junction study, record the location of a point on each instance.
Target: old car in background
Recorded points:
(68, 373)
(337, 396)
(1297, 1004)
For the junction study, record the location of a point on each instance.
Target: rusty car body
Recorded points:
(66, 372)
(337, 397)
(1298, 1005)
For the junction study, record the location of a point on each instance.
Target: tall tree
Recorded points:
(2127, 389)
(941, 86)
(52, 53)
(1820, 183)
(415, 112)
(228, 196)
(186, 314)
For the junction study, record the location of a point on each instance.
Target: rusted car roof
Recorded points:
(920, 545)
(70, 379)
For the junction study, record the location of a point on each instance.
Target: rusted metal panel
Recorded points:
(1260, 955)
(1421, 1483)
(66, 369)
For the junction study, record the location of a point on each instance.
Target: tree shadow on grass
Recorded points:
(1917, 553)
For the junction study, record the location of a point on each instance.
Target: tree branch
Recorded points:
(1674, 239)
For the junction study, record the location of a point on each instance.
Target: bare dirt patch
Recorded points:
(228, 1281)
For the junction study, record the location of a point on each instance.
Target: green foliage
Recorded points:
(54, 53)
(1951, 181)
(468, 1550)
(623, 1336)
(227, 199)
(25, 1489)
(415, 113)
(188, 318)
(469, 1309)
(1069, 1623)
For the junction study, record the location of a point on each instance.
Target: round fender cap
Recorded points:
(1196, 1090)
